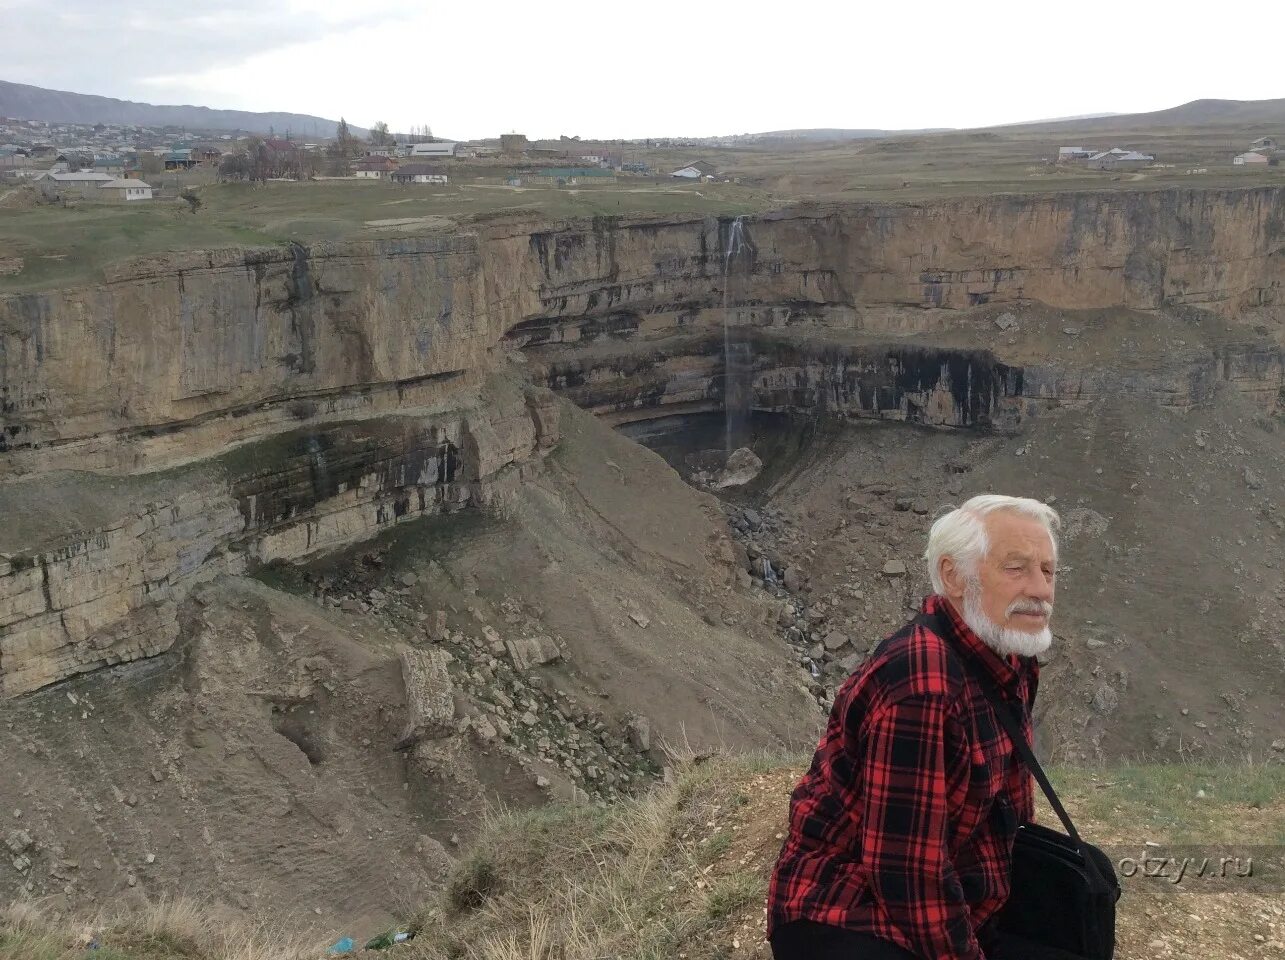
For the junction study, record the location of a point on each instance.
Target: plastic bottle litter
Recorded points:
(345, 945)
(386, 940)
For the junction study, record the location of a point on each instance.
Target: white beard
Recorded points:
(1003, 640)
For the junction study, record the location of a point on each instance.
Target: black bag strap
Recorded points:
(1011, 726)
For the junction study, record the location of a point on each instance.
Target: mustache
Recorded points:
(1029, 605)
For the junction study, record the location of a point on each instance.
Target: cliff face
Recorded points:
(93, 570)
(176, 356)
(349, 377)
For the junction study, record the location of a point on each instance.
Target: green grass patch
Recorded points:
(1164, 799)
(733, 893)
(62, 246)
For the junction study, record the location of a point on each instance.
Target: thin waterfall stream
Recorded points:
(738, 257)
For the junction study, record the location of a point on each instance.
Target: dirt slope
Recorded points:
(1169, 589)
(262, 763)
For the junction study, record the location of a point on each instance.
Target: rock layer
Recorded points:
(72, 600)
(175, 356)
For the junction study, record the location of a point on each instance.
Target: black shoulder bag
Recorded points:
(1064, 889)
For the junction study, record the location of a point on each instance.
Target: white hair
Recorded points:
(961, 533)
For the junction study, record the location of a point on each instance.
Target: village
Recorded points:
(132, 164)
(1262, 152)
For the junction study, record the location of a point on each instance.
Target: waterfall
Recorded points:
(737, 356)
(320, 473)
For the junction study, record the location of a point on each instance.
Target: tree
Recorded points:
(341, 151)
(193, 201)
(234, 166)
(379, 135)
(150, 164)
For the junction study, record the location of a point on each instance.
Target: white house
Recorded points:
(125, 190)
(441, 148)
(1245, 159)
(419, 173)
(86, 181)
(374, 167)
(694, 171)
(1115, 157)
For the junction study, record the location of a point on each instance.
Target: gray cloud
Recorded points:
(87, 46)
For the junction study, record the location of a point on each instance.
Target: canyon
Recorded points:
(197, 452)
(376, 357)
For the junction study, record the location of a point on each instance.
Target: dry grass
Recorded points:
(635, 880)
(681, 874)
(167, 930)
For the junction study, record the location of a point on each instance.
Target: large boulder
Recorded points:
(742, 466)
(528, 652)
(430, 696)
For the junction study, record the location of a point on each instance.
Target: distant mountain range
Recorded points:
(36, 103)
(1242, 113)
(23, 102)
(1197, 113)
(827, 133)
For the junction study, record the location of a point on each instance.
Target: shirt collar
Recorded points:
(1006, 671)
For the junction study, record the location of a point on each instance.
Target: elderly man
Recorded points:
(901, 832)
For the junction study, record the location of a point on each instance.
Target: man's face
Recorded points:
(1018, 568)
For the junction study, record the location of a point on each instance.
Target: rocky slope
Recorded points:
(327, 737)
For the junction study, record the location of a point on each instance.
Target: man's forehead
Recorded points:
(1017, 535)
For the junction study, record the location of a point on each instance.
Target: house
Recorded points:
(1264, 143)
(1073, 153)
(513, 143)
(124, 190)
(374, 167)
(381, 151)
(207, 155)
(180, 159)
(695, 171)
(1250, 159)
(109, 164)
(419, 173)
(1115, 159)
(70, 162)
(439, 148)
(86, 181)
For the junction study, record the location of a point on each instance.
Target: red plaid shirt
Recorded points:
(903, 826)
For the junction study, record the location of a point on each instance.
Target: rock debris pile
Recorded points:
(481, 673)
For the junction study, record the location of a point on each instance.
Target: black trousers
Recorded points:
(805, 940)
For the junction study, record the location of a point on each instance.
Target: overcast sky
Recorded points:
(610, 69)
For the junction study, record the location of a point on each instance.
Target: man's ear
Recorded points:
(952, 578)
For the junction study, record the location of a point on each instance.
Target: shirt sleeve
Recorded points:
(914, 750)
